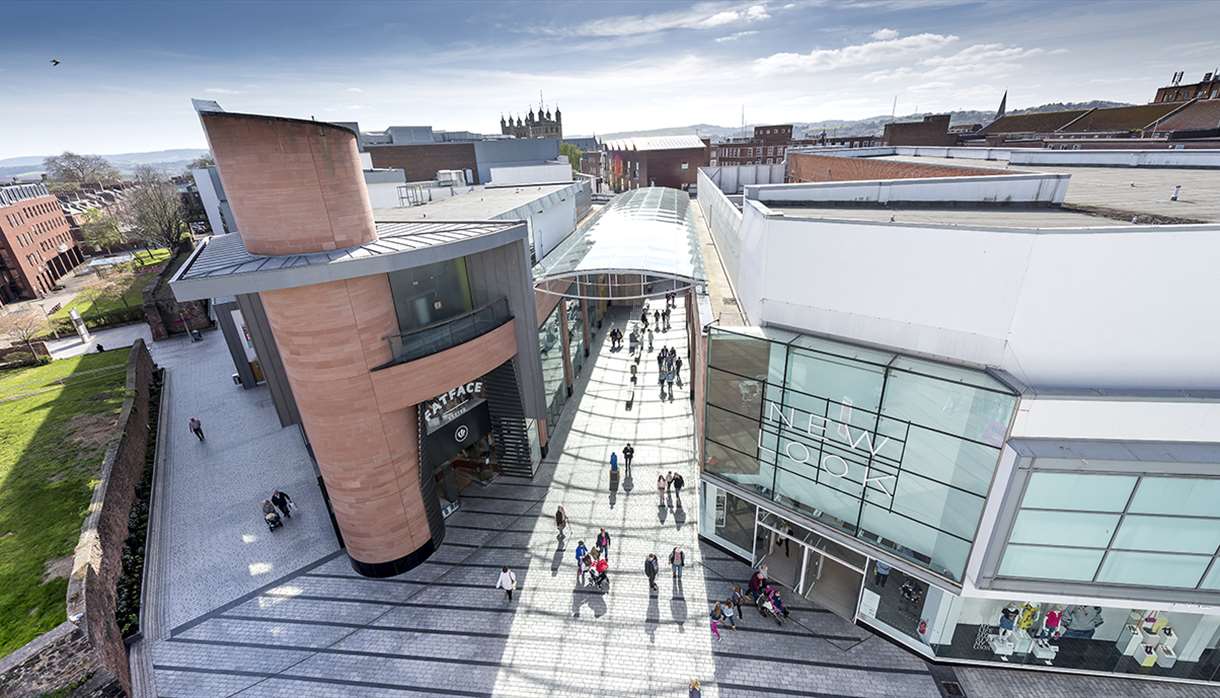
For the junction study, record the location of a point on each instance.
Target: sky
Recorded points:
(128, 71)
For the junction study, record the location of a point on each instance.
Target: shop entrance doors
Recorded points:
(819, 569)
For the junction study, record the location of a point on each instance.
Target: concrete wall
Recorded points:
(1129, 157)
(1115, 308)
(512, 152)
(521, 175)
(723, 220)
(732, 179)
(1004, 188)
(383, 186)
(210, 195)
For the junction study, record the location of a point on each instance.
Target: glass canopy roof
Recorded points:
(648, 232)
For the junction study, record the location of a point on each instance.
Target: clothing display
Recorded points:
(1082, 621)
(1050, 622)
(1029, 614)
(1008, 617)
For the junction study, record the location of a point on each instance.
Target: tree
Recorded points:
(101, 229)
(153, 210)
(23, 326)
(572, 153)
(201, 162)
(80, 169)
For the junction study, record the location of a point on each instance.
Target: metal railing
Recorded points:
(446, 334)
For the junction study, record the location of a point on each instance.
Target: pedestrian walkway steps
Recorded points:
(508, 422)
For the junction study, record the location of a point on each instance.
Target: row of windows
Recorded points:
(1184, 94)
(39, 209)
(1117, 529)
(751, 152)
(28, 239)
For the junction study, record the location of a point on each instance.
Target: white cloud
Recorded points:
(736, 35)
(981, 55)
(222, 91)
(703, 15)
(884, 34)
(869, 53)
(354, 89)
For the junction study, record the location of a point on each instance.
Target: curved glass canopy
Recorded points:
(643, 243)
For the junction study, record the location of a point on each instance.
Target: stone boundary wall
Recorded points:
(163, 312)
(88, 642)
(806, 167)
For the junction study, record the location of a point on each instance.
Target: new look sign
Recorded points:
(845, 450)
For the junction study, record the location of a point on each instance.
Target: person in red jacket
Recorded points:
(600, 567)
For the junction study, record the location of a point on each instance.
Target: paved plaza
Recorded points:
(285, 615)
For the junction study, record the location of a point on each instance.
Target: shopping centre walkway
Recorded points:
(308, 625)
(442, 629)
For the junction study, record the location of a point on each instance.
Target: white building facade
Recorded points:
(990, 443)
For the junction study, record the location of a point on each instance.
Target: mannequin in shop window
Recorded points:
(1082, 621)
(1051, 622)
(1028, 617)
(1008, 619)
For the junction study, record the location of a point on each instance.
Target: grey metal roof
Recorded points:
(223, 265)
(648, 231)
(689, 140)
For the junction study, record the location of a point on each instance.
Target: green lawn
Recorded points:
(51, 445)
(88, 301)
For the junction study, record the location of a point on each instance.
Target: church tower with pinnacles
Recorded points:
(535, 125)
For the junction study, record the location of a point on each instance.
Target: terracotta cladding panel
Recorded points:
(409, 384)
(294, 187)
(327, 333)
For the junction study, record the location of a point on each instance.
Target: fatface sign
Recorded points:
(448, 406)
(837, 432)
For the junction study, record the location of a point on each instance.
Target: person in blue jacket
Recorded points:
(581, 551)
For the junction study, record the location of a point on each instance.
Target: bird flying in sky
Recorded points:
(54, 61)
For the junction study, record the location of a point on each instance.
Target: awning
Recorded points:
(649, 233)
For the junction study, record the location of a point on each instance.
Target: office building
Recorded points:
(654, 161)
(36, 243)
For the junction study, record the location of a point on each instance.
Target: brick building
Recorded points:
(541, 125)
(767, 145)
(657, 161)
(421, 162)
(36, 245)
(1207, 88)
(933, 130)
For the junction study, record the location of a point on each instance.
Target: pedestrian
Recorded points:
(600, 566)
(678, 483)
(613, 464)
(581, 553)
(644, 318)
(283, 502)
(662, 488)
(678, 364)
(628, 454)
(661, 360)
(717, 616)
(669, 481)
(651, 567)
(196, 427)
(561, 520)
(669, 381)
(737, 598)
(507, 582)
(603, 543)
(268, 508)
(729, 614)
(677, 560)
(656, 318)
(757, 581)
(881, 573)
(650, 340)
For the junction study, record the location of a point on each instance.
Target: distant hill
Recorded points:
(169, 161)
(872, 126)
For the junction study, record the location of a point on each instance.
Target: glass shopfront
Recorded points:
(892, 450)
(576, 335)
(550, 346)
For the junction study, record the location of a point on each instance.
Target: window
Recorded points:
(685, 166)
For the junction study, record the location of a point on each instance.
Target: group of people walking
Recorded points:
(277, 508)
(669, 369)
(665, 482)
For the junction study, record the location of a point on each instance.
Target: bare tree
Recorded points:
(153, 210)
(23, 326)
(80, 169)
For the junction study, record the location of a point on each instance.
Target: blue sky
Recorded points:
(129, 69)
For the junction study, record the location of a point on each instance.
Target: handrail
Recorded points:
(445, 334)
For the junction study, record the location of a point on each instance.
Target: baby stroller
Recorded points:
(273, 521)
(769, 604)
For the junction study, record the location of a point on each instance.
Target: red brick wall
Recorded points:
(35, 227)
(422, 161)
(663, 168)
(803, 167)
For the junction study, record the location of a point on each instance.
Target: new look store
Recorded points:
(860, 477)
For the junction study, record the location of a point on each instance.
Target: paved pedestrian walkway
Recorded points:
(311, 626)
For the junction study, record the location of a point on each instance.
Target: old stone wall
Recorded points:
(89, 643)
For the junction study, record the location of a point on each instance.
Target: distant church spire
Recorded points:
(1003, 106)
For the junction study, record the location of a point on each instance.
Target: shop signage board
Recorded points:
(838, 432)
(446, 407)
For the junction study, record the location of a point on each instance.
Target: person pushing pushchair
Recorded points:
(600, 567)
(271, 516)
